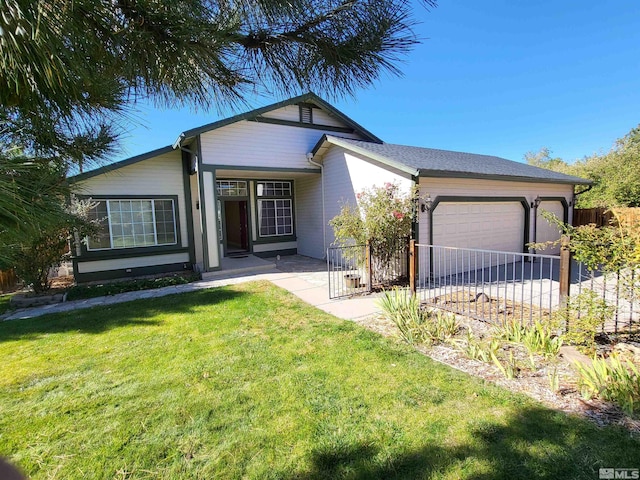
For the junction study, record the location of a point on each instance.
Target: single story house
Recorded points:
(268, 181)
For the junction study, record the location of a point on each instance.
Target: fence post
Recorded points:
(565, 270)
(369, 266)
(413, 264)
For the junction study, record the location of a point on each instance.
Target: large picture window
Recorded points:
(133, 223)
(275, 215)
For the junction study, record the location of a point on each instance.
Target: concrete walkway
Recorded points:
(306, 278)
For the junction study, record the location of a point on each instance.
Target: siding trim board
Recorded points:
(460, 199)
(123, 273)
(213, 168)
(313, 126)
(186, 181)
(203, 207)
(483, 176)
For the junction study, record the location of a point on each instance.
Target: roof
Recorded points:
(122, 163)
(255, 115)
(431, 162)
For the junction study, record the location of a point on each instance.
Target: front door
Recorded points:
(236, 227)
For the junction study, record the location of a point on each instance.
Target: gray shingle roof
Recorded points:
(431, 162)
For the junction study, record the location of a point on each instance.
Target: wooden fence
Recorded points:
(603, 217)
(8, 280)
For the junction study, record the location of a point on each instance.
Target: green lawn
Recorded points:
(5, 302)
(249, 382)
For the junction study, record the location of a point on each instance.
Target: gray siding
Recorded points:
(254, 144)
(347, 174)
(309, 221)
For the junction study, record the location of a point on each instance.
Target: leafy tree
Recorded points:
(543, 159)
(616, 174)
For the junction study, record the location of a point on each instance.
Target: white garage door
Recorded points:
(549, 232)
(483, 225)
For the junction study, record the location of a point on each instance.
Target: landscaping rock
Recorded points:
(26, 300)
(628, 350)
(571, 354)
(482, 298)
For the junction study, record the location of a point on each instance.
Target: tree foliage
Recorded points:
(616, 174)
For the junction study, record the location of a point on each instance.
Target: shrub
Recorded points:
(417, 325)
(383, 216)
(537, 338)
(583, 316)
(100, 290)
(613, 380)
(45, 249)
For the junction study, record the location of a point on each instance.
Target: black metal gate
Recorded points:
(356, 269)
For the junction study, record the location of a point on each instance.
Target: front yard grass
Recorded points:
(249, 382)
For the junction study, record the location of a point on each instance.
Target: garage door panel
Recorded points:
(484, 225)
(546, 231)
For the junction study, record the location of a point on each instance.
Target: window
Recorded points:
(231, 188)
(274, 189)
(275, 215)
(133, 223)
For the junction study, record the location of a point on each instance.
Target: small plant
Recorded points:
(473, 348)
(510, 366)
(442, 326)
(583, 316)
(554, 379)
(540, 338)
(415, 324)
(403, 309)
(611, 379)
(511, 330)
(91, 291)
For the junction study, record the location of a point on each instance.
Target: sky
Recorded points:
(497, 77)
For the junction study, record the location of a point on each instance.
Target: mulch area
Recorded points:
(532, 383)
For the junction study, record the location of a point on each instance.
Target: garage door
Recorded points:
(546, 231)
(483, 225)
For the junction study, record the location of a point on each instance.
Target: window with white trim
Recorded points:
(231, 188)
(275, 215)
(131, 223)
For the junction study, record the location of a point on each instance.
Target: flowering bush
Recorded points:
(383, 217)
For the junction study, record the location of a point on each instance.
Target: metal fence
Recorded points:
(619, 290)
(348, 274)
(360, 269)
(488, 285)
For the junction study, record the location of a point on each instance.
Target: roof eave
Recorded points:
(327, 139)
(274, 106)
(507, 178)
(122, 163)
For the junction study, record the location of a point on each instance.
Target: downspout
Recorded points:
(575, 194)
(324, 220)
